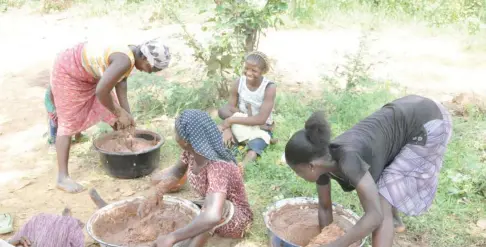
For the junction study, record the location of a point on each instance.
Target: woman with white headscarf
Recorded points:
(82, 83)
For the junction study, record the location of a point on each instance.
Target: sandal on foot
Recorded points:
(199, 203)
(6, 223)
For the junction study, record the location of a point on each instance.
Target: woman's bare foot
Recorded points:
(397, 221)
(78, 138)
(96, 198)
(69, 185)
(399, 226)
(273, 141)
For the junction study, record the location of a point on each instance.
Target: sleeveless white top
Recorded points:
(255, 98)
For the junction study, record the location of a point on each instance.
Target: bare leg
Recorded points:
(249, 157)
(96, 198)
(383, 235)
(200, 240)
(397, 221)
(64, 182)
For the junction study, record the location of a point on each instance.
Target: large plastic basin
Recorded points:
(167, 199)
(130, 165)
(276, 241)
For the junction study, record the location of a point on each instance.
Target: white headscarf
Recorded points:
(157, 53)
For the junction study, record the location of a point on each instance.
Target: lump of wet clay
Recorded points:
(126, 145)
(328, 235)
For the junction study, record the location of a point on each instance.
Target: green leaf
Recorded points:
(219, 8)
(213, 64)
(226, 60)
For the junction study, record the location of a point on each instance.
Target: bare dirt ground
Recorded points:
(430, 63)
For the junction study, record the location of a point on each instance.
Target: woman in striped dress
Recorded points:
(84, 80)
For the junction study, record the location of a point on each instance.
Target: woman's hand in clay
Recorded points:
(228, 137)
(147, 206)
(164, 241)
(125, 120)
(22, 242)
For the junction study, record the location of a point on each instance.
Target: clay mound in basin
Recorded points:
(298, 224)
(117, 142)
(118, 224)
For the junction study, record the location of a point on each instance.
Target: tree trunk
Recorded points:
(250, 40)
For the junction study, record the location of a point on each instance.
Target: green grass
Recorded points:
(462, 189)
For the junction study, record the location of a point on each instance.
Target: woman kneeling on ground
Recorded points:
(392, 158)
(83, 82)
(213, 173)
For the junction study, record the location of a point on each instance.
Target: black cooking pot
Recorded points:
(130, 165)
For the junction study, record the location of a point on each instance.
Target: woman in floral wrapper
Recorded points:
(213, 174)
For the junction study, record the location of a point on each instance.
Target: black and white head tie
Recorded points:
(157, 53)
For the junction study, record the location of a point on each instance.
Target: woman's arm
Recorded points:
(179, 169)
(373, 216)
(119, 65)
(325, 205)
(205, 221)
(170, 177)
(121, 93)
(263, 114)
(164, 183)
(231, 107)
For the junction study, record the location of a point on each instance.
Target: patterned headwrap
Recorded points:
(157, 53)
(198, 129)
